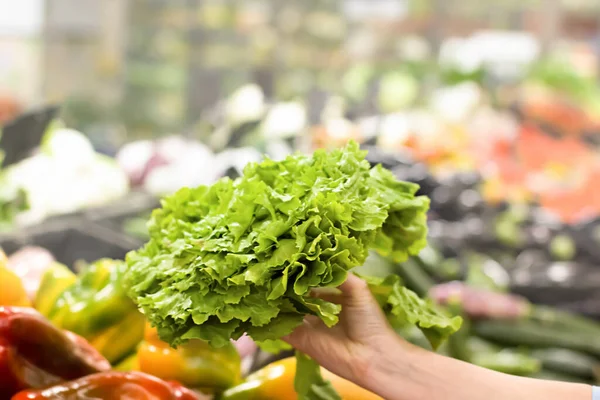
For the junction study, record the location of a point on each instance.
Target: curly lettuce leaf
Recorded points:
(309, 382)
(242, 256)
(403, 306)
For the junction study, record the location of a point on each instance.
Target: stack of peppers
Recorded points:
(93, 306)
(41, 362)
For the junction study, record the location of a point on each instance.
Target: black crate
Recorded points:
(114, 215)
(72, 240)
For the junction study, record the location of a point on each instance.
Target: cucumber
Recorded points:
(532, 334)
(508, 361)
(450, 269)
(552, 318)
(430, 260)
(556, 376)
(566, 362)
(414, 277)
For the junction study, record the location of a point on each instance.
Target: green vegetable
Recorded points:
(562, 247)
(430, 259)
(242, 256)
(309, 383)
(508, 361)
(567, 362)
(450, 269)
(97, 307)
(530, 333)
(403, 306)
(95, 302)
(415, 277)
(397, 90)
(553, 319)
(557, 376)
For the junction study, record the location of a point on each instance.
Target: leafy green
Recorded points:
(242, 256)
(403, 306)
(309, 383)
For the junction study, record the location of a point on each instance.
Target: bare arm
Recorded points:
(430, 376)
(363, 348)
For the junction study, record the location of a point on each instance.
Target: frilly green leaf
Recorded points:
(242, 256)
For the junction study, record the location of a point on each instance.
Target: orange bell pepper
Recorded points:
(12, 291)
(276, 381)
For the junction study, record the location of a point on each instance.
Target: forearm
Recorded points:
(410, 373)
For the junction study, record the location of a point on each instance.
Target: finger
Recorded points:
(306, 336)
(361, 314)
(355, 292)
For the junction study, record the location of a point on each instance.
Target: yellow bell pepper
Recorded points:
(55, 281)
(276, 381)
(129, 364)
(194, 364)
(12, 292)
(119, 340)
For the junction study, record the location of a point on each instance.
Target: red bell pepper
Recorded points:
(112, 386)
(35, 354)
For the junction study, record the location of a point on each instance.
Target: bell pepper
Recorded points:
(112, 386)
(12, 292)
(96, 307)
(55, 281)
(195, 364)
(276, 381)
(128, 364)
(35, 354)
(30, 264)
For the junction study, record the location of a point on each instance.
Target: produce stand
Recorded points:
(72, 240)
(87, 235)
(506, 147)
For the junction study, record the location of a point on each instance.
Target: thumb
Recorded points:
(362, 316)
(313, 337)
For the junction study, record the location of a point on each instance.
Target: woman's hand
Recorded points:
(360, 346)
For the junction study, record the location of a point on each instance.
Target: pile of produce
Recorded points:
(66, 160)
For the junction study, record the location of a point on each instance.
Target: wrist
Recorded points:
(397, 371)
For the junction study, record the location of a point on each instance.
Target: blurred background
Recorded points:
(493, 107)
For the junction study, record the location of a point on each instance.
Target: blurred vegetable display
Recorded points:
(37, 187)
